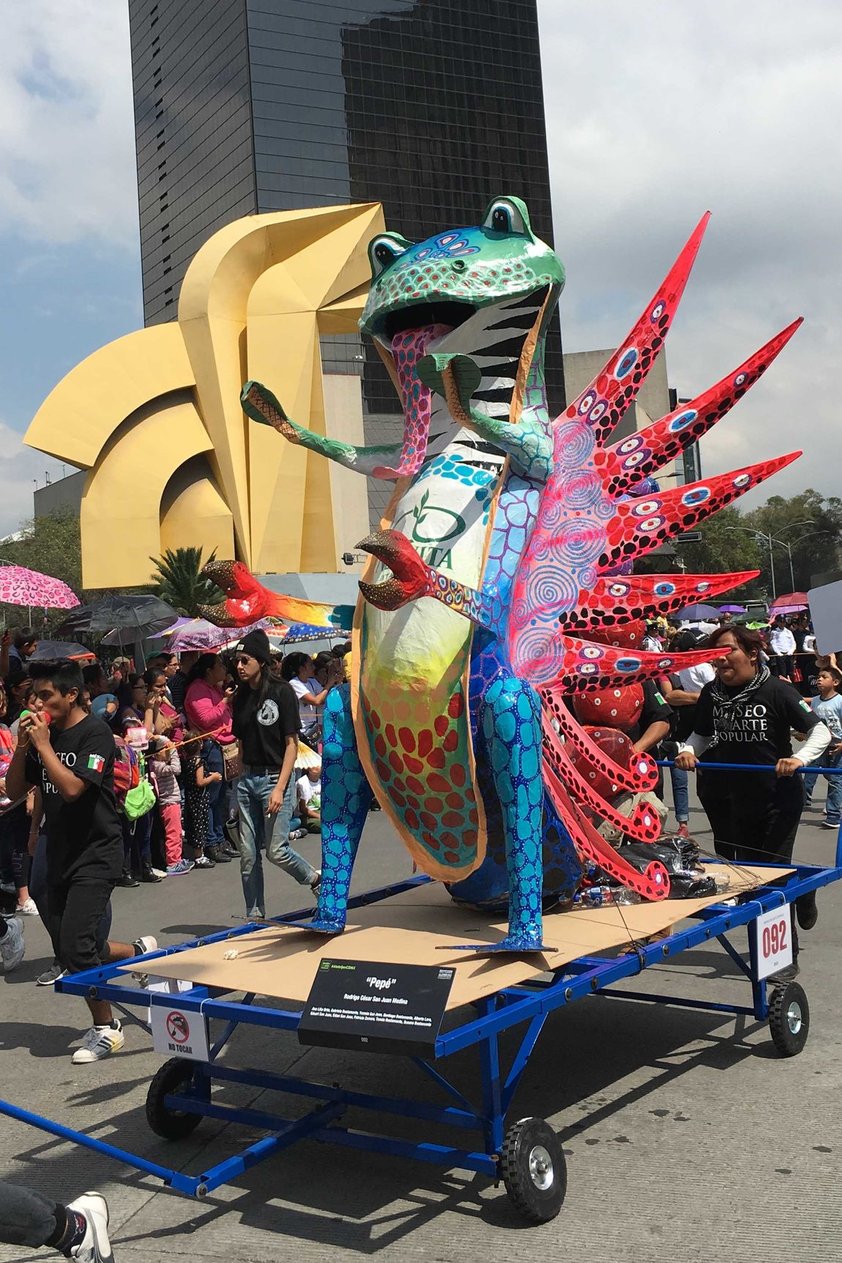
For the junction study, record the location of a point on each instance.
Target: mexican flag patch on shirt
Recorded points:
(96, 762)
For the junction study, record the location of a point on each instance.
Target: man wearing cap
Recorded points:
(266, 724)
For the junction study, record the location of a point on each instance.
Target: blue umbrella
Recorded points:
(699, 613)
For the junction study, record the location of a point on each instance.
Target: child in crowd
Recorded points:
(308, 791)
(197, 783)
(166, 768)
(14, 826)
(828, 707)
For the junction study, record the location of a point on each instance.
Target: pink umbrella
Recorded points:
(19, 586)
(789, 603)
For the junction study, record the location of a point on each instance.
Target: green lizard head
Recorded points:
(448, 278)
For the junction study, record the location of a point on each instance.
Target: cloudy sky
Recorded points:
(656, 112)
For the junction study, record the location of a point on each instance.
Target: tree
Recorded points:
(807, 528)
(51, 544)
(727, 544)
(177, 580)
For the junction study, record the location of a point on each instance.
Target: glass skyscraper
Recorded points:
(241, 106)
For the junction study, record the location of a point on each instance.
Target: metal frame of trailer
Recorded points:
(527, 1154)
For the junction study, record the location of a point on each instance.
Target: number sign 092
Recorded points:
(773, 940)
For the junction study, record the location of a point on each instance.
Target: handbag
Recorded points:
(231, 760)
(141, 798)
(126, 769)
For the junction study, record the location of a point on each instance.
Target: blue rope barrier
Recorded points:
(767, 767)
(752, 767)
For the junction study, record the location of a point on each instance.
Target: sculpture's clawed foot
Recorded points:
(514, 944)
(319, 925)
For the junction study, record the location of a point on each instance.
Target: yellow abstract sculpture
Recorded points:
(155, 416)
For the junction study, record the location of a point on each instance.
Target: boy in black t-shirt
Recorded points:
(69, 756)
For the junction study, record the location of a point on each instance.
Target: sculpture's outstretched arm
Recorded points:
(455, 378)
(412, 578)
(261, 405)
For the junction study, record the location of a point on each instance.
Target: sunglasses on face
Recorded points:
(243, 660)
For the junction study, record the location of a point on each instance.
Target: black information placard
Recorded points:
(376, 1007)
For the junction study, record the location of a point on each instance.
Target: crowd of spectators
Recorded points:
(193, 734)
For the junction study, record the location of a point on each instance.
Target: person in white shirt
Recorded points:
(781, 648)
(299, 670)
(681, 689)
(652, 642)
(309, 791)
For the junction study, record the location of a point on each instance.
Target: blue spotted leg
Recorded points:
(510, 715)
(346, 798)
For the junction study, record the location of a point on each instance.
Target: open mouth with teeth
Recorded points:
(500, 338)
(447, 312)
(496, 336)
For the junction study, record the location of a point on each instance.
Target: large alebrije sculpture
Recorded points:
(492, 595)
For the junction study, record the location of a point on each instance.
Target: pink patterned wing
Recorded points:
(617, 598)
(631, 459)
(639, 526)
(603, 403)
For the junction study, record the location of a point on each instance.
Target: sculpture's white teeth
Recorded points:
(494, 338)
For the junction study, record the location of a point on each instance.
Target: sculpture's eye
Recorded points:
(382, 253)
(504, 216)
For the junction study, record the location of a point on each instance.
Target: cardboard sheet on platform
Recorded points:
(416, 928)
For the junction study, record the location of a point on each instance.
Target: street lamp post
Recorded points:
(794, 544)
(771, 539)
(758, 535)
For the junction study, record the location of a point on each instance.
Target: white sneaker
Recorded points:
(27, 909)
(12, 946)
(51, 975)
(95, 1246)
(99, 1042)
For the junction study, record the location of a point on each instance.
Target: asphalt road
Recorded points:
(687, 1138)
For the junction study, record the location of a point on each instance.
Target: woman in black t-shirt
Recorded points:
(747, 715)
(266, 724)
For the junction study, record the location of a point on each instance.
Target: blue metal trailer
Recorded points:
(525, 1154)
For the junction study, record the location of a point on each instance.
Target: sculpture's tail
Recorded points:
(247, 600)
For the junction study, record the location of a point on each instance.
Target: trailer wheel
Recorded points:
(789, 1019)
(534, 1170)
(173, 1076)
